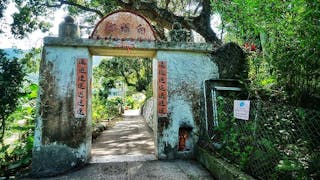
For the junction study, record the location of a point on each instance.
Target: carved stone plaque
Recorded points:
(123, 25)
(162, 89)
(81, 88)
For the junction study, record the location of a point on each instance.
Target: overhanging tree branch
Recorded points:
(82, 7)
(126, 79)
(163, 17)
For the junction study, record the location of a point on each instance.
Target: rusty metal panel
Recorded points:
(123, 25)
(162, 89)
(81, 88)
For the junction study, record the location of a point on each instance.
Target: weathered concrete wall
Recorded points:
(62, 141)
(147, 112)
(186, 74)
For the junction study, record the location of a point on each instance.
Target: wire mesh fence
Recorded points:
(277, 142)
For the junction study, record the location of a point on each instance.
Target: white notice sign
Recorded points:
(241, 109)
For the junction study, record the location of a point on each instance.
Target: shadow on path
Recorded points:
(168, 170)
(129, 140)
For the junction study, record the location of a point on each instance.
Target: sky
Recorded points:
(35, 39)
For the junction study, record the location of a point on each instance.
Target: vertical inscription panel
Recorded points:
(81, 88)
(162, 89)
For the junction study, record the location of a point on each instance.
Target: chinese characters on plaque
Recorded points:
(81, 88)
(162, 89)
(124, 26)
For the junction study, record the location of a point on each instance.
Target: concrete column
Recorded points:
(186, 72)
(62, 135)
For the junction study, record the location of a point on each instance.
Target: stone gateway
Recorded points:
(63, 125)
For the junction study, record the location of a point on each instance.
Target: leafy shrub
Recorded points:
(277, 142)
(113, 104)
(21, 93)
(314, 168)
(11, 78)
(16, 156)
(104, 109)
(99, 111)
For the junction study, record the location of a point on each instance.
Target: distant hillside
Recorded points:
(13, 52)
(18, 53)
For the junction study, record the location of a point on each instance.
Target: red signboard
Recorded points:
(81, 88)
(162, 89)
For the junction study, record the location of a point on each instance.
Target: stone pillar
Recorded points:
(63, 125)
(186, 72)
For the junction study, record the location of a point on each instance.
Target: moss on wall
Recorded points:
(54, 159)
(58, 121)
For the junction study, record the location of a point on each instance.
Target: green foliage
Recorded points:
(16, 156)
(236, 145)
(135, 101)
(314, 168)
(11, 77)
(277, 142)
(16, 146)
(286, 61)
(16, 150)
(27, 20)
(104, 109)
(130, 102)
(149, 91)
(31, 60)
(125, 74)
(104, 90)
(112, 104)
(135, 72)
(99, 110)
(32, 14)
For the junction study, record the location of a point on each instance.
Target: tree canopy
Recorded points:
(135, 72)
(283, 40)
(192, 14)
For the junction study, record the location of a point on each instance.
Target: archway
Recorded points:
(63, 129)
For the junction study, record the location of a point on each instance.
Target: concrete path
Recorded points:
(129, 139)
(154, 170)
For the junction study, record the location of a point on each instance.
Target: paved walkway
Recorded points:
(129, 139)
(154, 170)
(127, 152)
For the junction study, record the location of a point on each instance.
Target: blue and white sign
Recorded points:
(241, 109)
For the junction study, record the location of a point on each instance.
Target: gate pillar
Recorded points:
(63, 125)
(180, 77)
